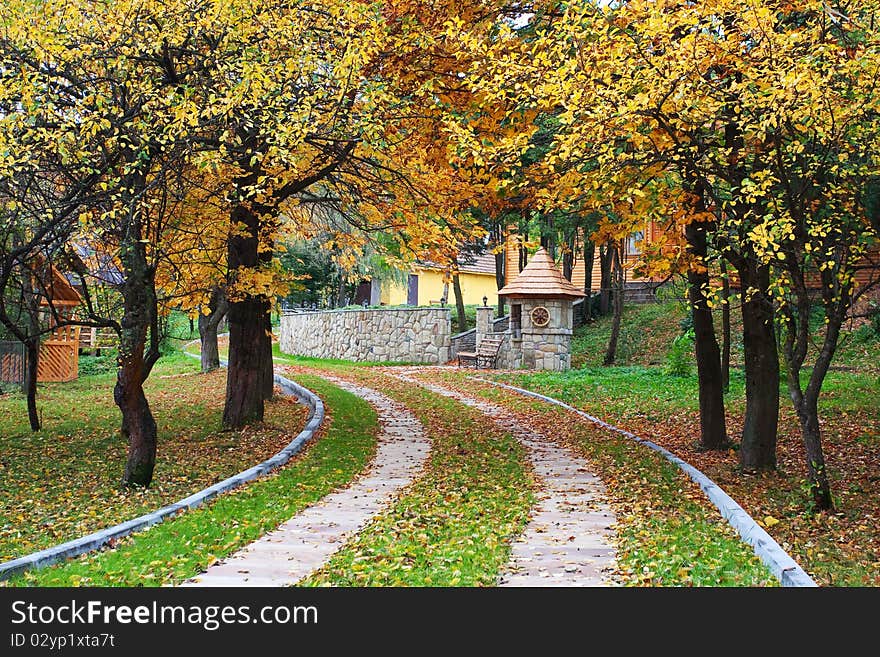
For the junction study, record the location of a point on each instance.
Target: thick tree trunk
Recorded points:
(245, 378)
(138, 425)
(32, 363)
(713, 432)
(459, 304)
(589, 256)
(725, 328)
(758, 448)
(617, 269)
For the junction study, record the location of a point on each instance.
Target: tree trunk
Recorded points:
(29, 386)
(459, 304)
(606, 259)
(210, 350)
(568, 256)
(31, 342)
(758, 448)
(268, 369)
(617, 276)
(499, 279)
(245, 378)
(725, 327)
(713, 432)
(589, 256)
(820, 489)
(138, 425)
(208, 329)
(806, 402)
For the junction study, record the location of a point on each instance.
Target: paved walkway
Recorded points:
(567, 541)
(305, 542)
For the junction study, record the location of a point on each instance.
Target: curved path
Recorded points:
(567, 541)
(305, 542)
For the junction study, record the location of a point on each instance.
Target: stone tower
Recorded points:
(540, 317)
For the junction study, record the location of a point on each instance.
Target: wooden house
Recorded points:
(59, 350)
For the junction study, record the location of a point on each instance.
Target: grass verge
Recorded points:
(453, 526)
(186, 545)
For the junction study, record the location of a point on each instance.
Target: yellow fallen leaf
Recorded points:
(769, 521)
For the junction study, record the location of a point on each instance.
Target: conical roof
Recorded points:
(541, 278)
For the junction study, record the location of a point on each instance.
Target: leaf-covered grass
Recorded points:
(453, 525)
(63, 482)
(842, 547)
(668, 534)
(184, 546)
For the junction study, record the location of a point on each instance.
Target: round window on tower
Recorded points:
(540, 316)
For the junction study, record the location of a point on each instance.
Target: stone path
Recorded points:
(305, 542)
(567, 541)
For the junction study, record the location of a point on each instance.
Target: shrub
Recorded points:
(679, 359)
(103, 364)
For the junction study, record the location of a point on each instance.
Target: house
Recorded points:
(59, 348)
(426, 285)
(638, 287)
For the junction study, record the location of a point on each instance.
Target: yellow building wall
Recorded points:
(473, 288)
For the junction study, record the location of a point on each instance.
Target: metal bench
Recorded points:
(485, 356)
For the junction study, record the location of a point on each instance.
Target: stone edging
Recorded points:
(100, 538)
(780, 563)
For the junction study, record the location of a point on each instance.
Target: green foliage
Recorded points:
(646, 333)
(94, 365)
(680, 357)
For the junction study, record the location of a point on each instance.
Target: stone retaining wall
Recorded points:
(399, 335)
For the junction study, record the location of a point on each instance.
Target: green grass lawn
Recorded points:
(183, 546)
(63, 481)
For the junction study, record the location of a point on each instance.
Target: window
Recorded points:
(631, 243)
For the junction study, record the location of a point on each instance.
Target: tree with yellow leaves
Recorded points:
(764, 112)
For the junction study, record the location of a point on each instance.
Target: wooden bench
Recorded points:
(485, 356)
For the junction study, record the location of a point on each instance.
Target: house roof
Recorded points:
(541, 278)
(480, 264)
(57, 290)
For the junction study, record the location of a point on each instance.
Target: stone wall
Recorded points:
(399, 335)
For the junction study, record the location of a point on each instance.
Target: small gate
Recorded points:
(59, 355)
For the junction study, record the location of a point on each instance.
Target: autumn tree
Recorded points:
(767, 109)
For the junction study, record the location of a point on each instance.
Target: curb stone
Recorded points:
(100, 538)
(780, 563)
